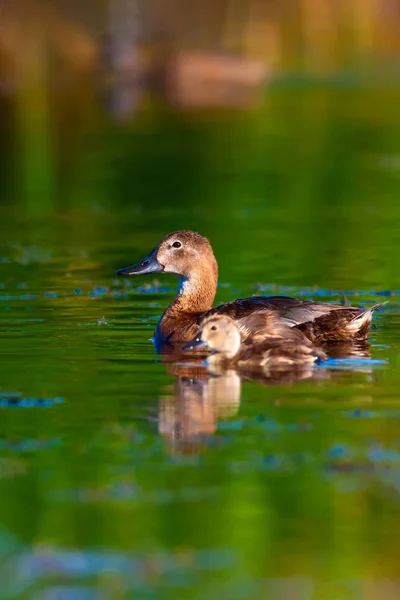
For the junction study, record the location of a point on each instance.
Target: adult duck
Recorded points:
(189, 256)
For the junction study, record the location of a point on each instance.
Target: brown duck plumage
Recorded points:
(190, 256)
(282, 347)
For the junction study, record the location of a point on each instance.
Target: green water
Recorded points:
(122, 476)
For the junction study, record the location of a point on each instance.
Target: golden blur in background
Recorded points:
(194, 53)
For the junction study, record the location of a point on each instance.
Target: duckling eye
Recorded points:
(214, 328)
(176, 245)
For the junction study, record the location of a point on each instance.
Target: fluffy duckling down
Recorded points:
(282, 347)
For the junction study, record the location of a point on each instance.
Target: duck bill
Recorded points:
(196, 344)
(149, 264)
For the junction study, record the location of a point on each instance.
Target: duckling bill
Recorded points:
(189, 255)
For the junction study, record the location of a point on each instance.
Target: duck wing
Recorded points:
(267, 325)
(291, 310)
(346, 324)
(319, 321)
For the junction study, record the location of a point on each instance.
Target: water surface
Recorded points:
(122, 476)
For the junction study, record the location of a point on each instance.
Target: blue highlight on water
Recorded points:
(10, 401)
(351, 363)
(145, 289)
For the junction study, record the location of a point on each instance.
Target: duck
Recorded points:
(189, 256)
(283, 347)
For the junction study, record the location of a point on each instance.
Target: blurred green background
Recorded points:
(273, 128)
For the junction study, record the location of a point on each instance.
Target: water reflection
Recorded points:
(349, 350)
(189, 414)
(199, 397)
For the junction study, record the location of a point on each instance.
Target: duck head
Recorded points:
(218, 333)
(181, 253)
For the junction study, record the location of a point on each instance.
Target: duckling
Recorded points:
(189, 255)
(283, 347)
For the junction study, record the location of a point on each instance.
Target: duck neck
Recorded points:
(196, 294)
(234, 345)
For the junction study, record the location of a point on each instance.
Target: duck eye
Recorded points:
(214, 328)
(176, 245)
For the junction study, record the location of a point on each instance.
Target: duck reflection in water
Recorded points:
(203, 394)
(191, 408)
(188, 416)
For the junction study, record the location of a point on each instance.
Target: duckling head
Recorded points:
(218, 333)
(183, 253)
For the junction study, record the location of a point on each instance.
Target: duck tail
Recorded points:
(360, 324)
